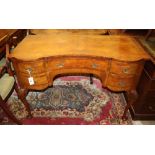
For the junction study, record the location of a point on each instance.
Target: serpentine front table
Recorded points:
(116, 60)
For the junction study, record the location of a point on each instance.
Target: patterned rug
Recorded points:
(71, 100)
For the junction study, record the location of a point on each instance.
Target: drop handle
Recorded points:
(126, 70)
(95, 66)
(60, 65)
(29, 70)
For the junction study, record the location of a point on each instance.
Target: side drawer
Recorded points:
(31, 67)
(39, 79)
(117, 83)
(124, 68)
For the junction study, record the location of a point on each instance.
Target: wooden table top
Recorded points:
(118, 47)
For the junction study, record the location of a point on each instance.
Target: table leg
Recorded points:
(22, 96)
(91, 78)
(132, 97)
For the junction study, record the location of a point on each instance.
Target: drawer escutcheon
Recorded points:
(122, 84)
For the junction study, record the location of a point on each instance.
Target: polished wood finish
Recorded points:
(6, 33)
(4, 37)
(121, 48)
(11, 37)
(45, 69)
(16, 37)
(69, 31)
(116, 60)
(124, 68)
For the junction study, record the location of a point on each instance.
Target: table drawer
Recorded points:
(118, 83)
(31, 67)
(124, 68)
(72, 63)
(39, 79)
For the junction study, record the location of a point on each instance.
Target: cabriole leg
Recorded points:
(22, 96)
(132, 97)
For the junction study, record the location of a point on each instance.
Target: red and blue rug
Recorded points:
(71, 101)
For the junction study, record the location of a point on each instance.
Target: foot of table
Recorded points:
(132, 97)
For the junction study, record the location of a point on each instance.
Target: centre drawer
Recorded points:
(124, 68)
(71, 63)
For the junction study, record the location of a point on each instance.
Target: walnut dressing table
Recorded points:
(116, 60)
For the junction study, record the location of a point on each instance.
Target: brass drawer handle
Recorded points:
(29, 70)
(126, 70)
(60, 65)
(95, 66)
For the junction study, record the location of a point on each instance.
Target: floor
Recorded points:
(144, 122)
